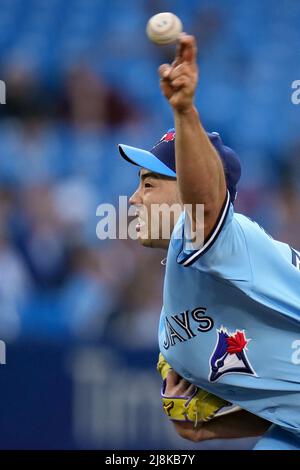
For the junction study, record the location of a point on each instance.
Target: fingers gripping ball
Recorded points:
(199, 407)
(164, 28)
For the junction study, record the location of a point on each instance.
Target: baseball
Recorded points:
(164, 28)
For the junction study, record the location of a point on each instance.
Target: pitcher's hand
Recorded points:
(179, 80)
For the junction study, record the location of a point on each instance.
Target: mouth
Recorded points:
(140, 224)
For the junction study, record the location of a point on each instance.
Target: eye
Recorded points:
(148, 185)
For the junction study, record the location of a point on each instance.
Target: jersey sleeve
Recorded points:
(241, 252)
(224, 253)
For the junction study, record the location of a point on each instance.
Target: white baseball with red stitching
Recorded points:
(164, 28)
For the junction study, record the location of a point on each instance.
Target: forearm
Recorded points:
(200, 173)
(199, 168)
(232, 426)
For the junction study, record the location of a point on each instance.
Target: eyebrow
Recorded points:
(149, 174)
(157, 176)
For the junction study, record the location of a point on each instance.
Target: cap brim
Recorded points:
(145, 159)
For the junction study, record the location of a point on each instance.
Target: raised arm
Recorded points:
(200, 172)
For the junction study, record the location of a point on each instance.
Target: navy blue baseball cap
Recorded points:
(161, 158)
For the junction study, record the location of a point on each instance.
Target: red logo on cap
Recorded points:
(168, 137)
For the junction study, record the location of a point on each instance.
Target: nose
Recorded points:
(135, 199)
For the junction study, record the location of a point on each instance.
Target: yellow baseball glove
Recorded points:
(200, 407)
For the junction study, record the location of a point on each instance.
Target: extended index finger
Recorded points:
(186, 50)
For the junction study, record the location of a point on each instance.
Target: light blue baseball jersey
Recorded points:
(277, 438)
(230, 321)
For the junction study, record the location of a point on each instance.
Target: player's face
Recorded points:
(153, 191)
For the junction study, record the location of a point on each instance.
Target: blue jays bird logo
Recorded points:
(168, 136)
(229, 355)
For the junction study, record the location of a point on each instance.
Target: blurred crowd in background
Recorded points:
(81, 76)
